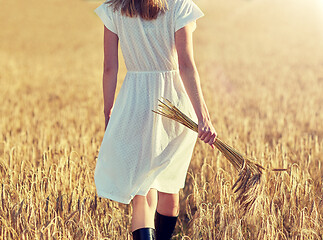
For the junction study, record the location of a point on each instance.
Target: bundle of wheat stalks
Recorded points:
(247, 185)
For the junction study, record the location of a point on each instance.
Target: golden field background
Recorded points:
(261, 68)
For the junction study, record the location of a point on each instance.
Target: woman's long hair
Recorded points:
(146, 9)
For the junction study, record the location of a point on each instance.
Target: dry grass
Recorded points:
(262, 75)
(247, 185)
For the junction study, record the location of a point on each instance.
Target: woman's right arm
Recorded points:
(110, 71)
(191, 81)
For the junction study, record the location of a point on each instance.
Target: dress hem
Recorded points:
(125, 200)
(113, 197)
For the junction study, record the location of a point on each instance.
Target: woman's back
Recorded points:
(149, 45)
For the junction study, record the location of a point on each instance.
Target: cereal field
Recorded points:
(261, 68)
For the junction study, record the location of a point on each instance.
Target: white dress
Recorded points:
(141, 150)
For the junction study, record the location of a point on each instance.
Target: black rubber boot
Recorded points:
(144, 234)
(165, 226)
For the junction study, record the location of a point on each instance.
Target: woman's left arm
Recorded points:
(110, 71)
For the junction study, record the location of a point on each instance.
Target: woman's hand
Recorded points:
(206, 132)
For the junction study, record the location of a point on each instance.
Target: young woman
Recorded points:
(144, 157)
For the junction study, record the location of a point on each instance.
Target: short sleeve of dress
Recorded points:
(105, 12)
(187, 12)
